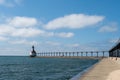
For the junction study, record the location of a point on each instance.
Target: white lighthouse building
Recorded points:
(33, 52)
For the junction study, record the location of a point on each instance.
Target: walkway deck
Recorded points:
(84, 57)
(106, 69)
(73, 54)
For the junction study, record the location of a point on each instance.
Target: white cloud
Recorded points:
(20, 27)
(27, 32)
(76, 45)
(3, 38)
(65, 35)
(25, 42)
(54, 34)
(73, 45)
(89, 48)
(6, 29)
(10, 3)
(19, 32)
(74, 21)
(53, 43)
(22, 21)
(109, 28)
(47, 34)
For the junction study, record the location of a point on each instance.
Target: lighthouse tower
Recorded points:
(33, 52)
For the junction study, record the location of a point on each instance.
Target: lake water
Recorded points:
(26, 68)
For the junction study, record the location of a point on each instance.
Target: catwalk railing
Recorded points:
(74, 54)
(115, 50)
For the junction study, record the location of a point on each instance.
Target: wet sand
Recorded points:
(106, 69)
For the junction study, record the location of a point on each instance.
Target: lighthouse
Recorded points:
(33, 52)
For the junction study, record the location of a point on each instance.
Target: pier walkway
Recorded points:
(106, 69)
(73, 54)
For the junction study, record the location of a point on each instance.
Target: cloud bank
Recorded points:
(27, 27)
(19, 27)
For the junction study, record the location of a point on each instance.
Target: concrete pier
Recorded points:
(106, 69)
(73, 54)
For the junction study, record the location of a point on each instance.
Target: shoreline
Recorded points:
(105, 69)
(79, 75)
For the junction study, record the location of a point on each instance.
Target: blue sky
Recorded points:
(58, 25)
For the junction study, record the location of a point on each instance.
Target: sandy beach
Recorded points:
(106, 69)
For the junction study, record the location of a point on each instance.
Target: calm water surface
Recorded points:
(26, 68)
